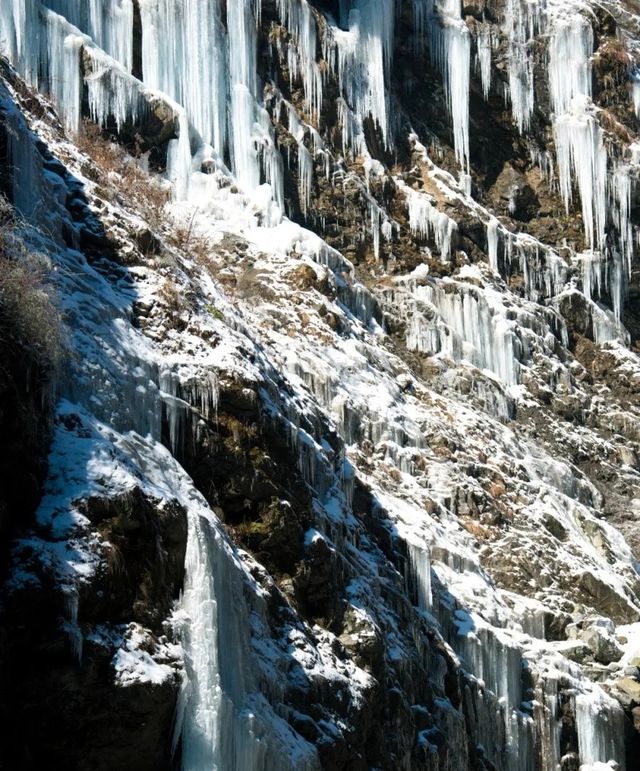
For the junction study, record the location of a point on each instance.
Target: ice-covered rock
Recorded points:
(400, 441)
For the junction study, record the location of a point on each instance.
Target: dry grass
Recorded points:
(145, 192)
(134, 184)
(194, 246)
(30, 323)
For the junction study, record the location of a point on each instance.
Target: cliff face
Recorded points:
(344, 467)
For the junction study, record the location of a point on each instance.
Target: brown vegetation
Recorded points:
(30, 322)
(124, 174)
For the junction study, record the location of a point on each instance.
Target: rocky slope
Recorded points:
(344, 466)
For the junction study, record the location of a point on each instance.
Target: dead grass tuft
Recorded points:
(134, 184)
(30, 323)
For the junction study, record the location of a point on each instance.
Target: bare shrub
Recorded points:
(30, 323)
(191, 244)
(148, 194)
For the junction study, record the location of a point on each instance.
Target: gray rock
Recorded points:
(602, 644)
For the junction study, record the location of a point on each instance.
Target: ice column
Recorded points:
(203, 700)
(109, 23)
(243, 82)
(421, 574)
(521, 22)
(226, 722)
(570, 49)
(579, 143)
(63, 79)
(601, 729)
(581, 152)
(184, 54)
(20, 36)
(484, 44)
(492, 243)
(451, 50)
(635, 90)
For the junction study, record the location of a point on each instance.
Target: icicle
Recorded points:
(635, 91)
(484, 57)
(363, 57)
(109, 23)
(21, 37)
(600, 727)
(111, 92)
(570, 49)
(73, 631)
(620, 193)
(451, 51)
(184, 55)
(305, 159)
(26, 164)
(63, 79)
(244, 116)
(202, 704)
(473, 330)
(492, 243)
(420, 11)
(420, 565)
(547, 716)
(521, 22)
(427, 221)
(298, 17)
(581, 151)
(179, 160)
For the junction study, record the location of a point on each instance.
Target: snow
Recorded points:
(133, 664)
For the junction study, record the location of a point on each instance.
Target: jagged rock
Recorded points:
(602, 644)
(513, 194)
(630, 688)
(277, 537)
(362, 640)
(579, 652)
(85, 652)
(317, 580)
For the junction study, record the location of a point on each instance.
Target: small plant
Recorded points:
(172, 297)
(215, 312)
(191, 244)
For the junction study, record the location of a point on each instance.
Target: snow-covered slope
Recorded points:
(354, 343)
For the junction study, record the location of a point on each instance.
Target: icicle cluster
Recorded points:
(450, 45)
(361, 51)
(427, 221)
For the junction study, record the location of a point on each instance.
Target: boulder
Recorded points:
(602, 644)
(630, 688)
(513, 194)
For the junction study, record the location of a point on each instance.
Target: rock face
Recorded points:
(344, 465)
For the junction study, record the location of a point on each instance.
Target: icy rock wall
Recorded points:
(207, 63)
(472, 331)
(223, 719)
(122, 384)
